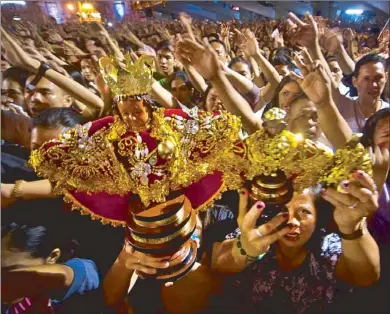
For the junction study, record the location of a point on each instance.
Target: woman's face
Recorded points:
(287, 93)
(267, 52)
(134, 112)
(213, 103)
(382, 131)
(243, 69)
(303, 217)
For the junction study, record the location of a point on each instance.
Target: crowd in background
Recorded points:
(332, 81)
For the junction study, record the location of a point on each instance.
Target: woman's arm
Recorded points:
(163, 97)
(359, 263)
(196, 79)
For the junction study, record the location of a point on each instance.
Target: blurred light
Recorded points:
(109, 24)
(235, 8)
(354, 11)
(87, 6)
(120, 9)
(14, 2)
(70, 6)
(16, 18)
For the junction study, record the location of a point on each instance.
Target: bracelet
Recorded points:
(356, 234)
(16, 192)
(249, 259)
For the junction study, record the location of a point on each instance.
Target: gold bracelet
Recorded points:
(16, 192)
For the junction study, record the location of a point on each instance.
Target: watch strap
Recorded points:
(356, 234)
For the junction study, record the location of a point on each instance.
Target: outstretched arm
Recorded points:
(18, 57)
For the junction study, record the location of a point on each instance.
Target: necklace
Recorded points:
(356, 107)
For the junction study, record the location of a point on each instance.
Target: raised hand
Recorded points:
(54, 38)
(380, 165)
(315, 82)
(360, 199)
(306, 33)
(331, 40)
(246, 40)
(16, 55)
(203, 58)
(257, 240)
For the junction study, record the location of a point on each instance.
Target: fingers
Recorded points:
(249, 221)
(340, 198)
(362, 194)
(311, 19)
(296, 77)
(279, 234)
(143, 269)
(242, 206)
(365, 180)
(295, 19)
(306, 56)
(301, 65)
(273, 224)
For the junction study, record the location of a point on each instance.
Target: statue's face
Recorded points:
(134, 112)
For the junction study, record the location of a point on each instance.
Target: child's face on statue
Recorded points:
(134, 112)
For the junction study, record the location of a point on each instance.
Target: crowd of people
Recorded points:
(326, 252)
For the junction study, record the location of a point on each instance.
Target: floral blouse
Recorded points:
(311, 288)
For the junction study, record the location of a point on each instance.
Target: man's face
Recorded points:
(87, 70)
(166, 61)
(371, 80)
(44, 96)
(12, 93)
(220, 50)
(336, 71)
(180, 90)
(41, 135)
(213, 103)
(282, 70)
(302, 118)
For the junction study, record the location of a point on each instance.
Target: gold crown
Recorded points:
(128, 78)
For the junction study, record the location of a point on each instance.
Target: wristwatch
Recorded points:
(357, 233)
(41, 72)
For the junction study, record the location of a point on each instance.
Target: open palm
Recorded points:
(202, 58)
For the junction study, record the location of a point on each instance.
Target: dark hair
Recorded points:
(16, 74)
(219, 42)
(367, 139)
(275, 101)
(331, 58)
(297, 98)
(57, 118)
(279, 61)
(324, 211)
(370, 58)
(75, 74)
(284, 52)
(236, 60)
(180, 75)
(39, 239)
(164, 45)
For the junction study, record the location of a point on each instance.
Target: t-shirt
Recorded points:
(86, 278)
(353, 115)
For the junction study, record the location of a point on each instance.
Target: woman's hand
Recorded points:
(359, 200)
(257, 240)
(331, 41)
(16, 55)
(315, 82)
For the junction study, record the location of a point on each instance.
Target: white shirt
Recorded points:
(353, 115)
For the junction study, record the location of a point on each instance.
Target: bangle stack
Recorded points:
(16, 192)
(249, 259)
